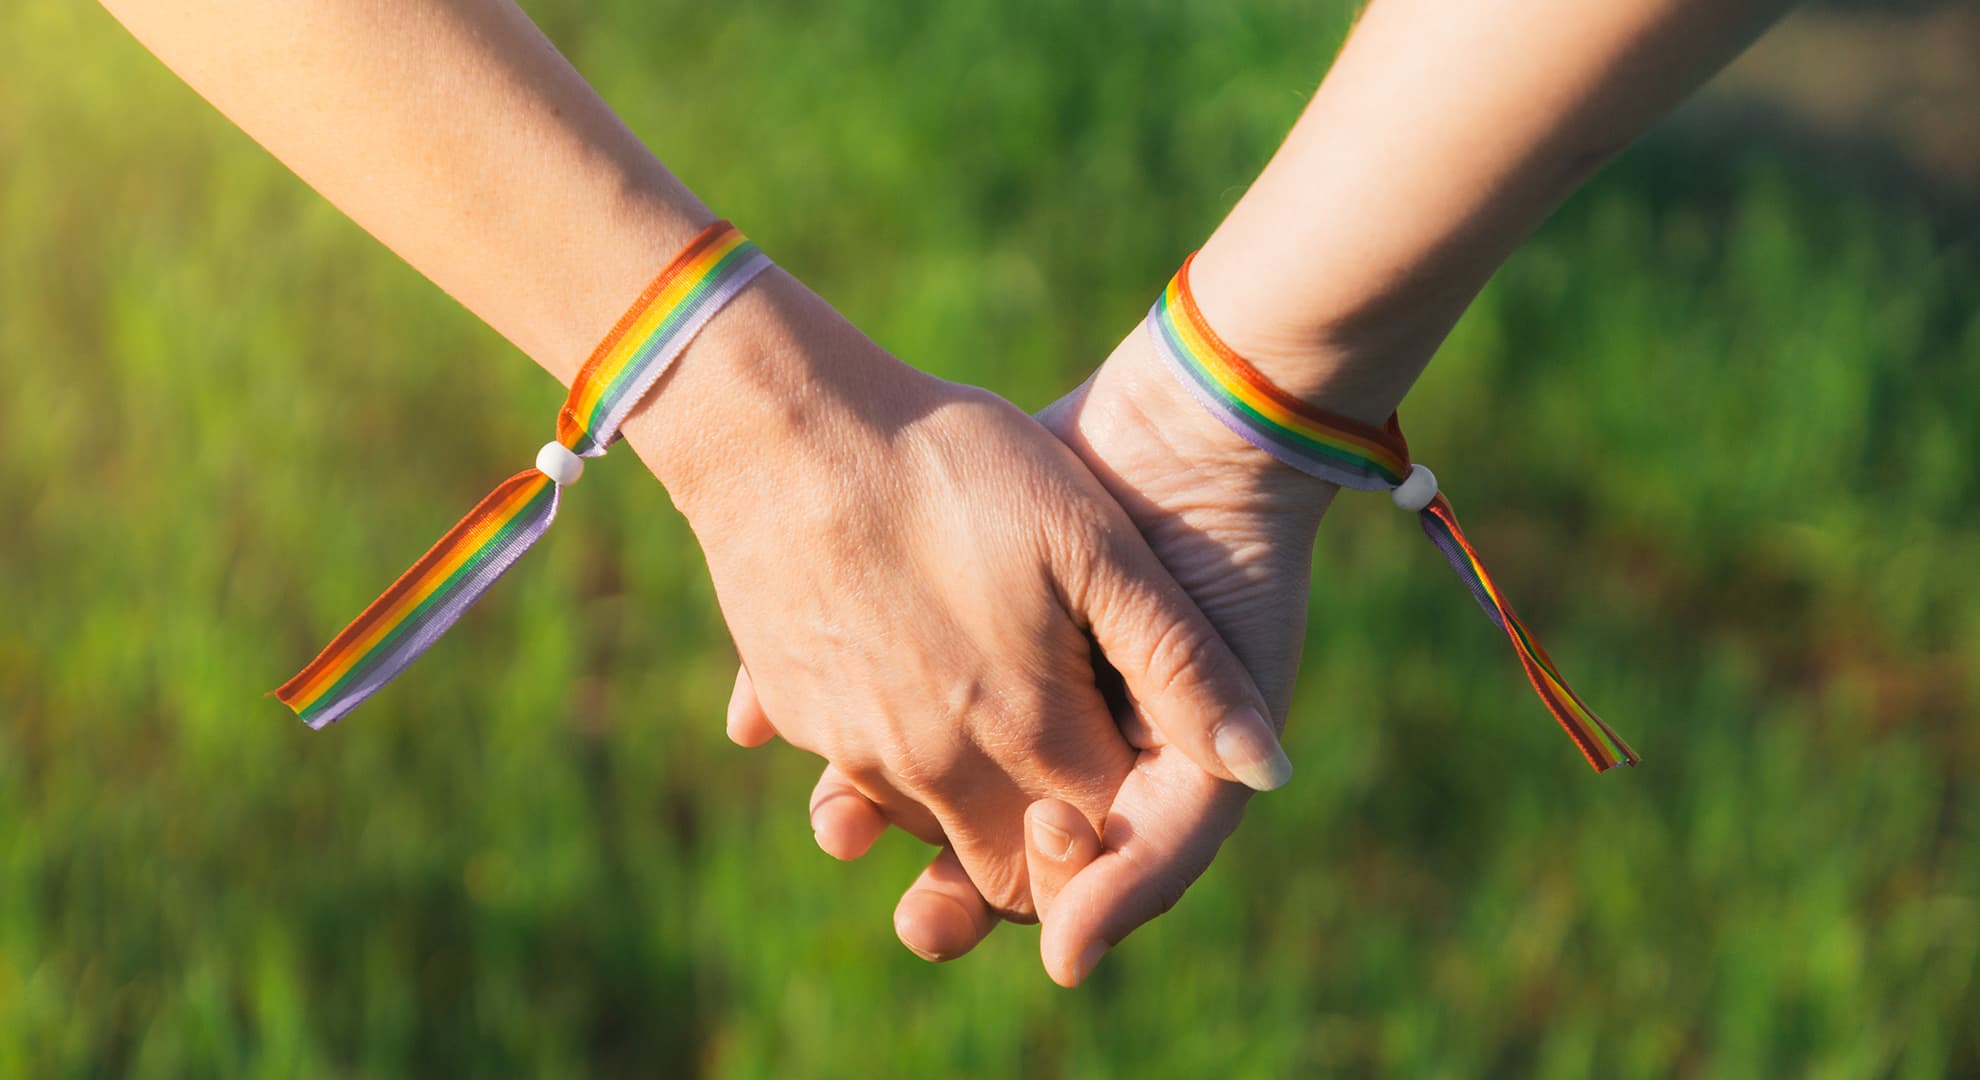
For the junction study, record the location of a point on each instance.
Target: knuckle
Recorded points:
(1179, 655)
(1165, 890)
(1086, 777)
(952, 754)
(960, 704)
(1162, 884)
(1083, 542)
(1168, 896)
(1005, 889)
(906, 767)
(860, 774)
(917, 766)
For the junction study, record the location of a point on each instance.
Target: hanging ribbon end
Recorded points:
(1618, 752)
(315, 720)
(400, 625)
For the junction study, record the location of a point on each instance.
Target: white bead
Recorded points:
(1416, 490)
(557, 462)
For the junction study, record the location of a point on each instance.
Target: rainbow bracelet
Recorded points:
(1355, 455)
(449, 578)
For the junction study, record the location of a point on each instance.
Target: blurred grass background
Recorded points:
(1715, 426)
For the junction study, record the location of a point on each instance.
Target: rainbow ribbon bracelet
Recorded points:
(1355, 455)
(449, 578)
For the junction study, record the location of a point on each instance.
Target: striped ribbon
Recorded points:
(1356, 455)
(454, 573)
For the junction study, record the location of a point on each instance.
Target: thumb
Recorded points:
(1058, 843)
(1163, 829)
(1179, 674)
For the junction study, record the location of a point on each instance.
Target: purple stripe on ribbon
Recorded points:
(1193, 377)
(414, 644)
(664, 353)
(1433, 527)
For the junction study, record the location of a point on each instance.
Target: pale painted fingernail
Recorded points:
(1247, 747)
(1051, 841)
(1088, 959)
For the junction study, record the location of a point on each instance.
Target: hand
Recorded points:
(1236, 529)
(917, 576)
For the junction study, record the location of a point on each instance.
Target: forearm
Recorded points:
(1442, 136)
(454, 132)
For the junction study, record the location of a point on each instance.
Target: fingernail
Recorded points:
(1088, 959)
(1247, 747)
(1050, 840)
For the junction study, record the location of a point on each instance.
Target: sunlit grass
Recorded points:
(1714, 427)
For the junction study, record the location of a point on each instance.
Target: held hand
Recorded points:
(916, 575)
(1236, 528)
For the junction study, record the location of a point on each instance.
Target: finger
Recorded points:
(986, 839)
(899, 808)
(1058, 843)
(1133, 726)
(1178, 672)
(748, 725)
(843, 820)
(985, 821)
(1163, 830)
(1139, 734)
(941, 916)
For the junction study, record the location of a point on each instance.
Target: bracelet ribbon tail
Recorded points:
(1363, 457)
(400, 625)
(1603, 748)
(424, 602)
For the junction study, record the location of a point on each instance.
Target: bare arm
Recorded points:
(1442, 136)
(457, 135)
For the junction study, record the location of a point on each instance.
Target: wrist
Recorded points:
(777, 386)
(1135, 400)
(1352, 348)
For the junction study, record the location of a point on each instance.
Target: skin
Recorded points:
(913, 595)
(1237, 531)
(1479, 119)
(917, 575)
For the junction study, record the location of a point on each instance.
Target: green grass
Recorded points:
(1714, 426)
